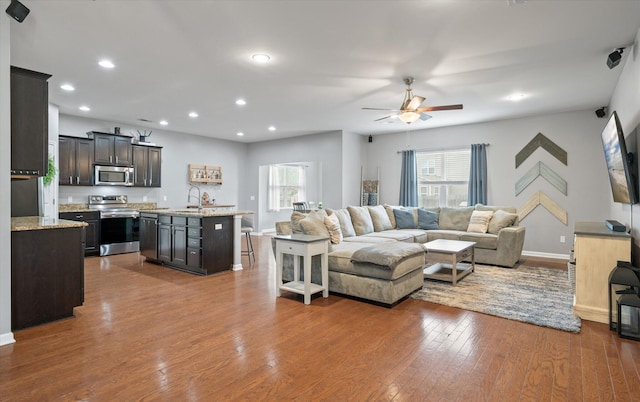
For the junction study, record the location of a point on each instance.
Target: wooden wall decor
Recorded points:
(541, 141)
(540, 169)
(541, 198)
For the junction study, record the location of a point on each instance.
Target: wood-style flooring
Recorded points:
(146, 332)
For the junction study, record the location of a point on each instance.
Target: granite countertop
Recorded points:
(194, 212)
(141, 206)
(22, 223)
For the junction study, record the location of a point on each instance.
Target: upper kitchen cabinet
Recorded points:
(111, 149)
(29, 123)
(146, 165)
(76, 161)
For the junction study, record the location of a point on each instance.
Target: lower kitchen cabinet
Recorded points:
(149, 235)
(92, 231)
(201, 245)
(46, 285)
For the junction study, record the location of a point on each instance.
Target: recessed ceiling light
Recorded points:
(261, 57)
(84, 108)
(241, 102)
(106, 64)
(163, 122)
(67, 87)
(516, 97)
(272, 128)
(193, 115)
(239, 133)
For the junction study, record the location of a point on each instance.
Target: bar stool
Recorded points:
(246, 227)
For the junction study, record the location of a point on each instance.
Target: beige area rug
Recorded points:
(540, 296)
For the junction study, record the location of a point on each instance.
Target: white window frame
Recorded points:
(443, 182)
(275, 188)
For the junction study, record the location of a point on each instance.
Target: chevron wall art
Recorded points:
(540, 169)
(540, 141)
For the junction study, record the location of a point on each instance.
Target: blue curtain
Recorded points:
(478, 175)
(409, 180)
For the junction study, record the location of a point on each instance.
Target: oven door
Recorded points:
(119, 235)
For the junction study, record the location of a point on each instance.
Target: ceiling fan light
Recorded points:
(409, 117)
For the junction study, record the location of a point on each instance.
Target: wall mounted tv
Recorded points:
(622, 178)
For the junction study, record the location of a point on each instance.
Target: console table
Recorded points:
(597, 251)
(305, 246)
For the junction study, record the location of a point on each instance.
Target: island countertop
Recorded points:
(205, 212)
(38, 223)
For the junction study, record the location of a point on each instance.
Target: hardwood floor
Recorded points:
(146, 332)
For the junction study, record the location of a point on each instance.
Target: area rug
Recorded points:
(540, 296)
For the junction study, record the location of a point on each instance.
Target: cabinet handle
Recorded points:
(77, 179)
(116, 158)
(70, 180)
(79, 216)
(110, 159)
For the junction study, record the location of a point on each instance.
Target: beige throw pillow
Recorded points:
(313, 224)
(333, 226)
(361, 220)
(479, 222)
(345, 222)
(500, 220)
(380, 218)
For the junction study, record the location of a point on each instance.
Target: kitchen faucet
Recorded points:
(199, 197)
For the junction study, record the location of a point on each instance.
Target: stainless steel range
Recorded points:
(119, 224)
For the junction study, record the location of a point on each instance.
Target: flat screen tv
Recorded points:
(622, 179)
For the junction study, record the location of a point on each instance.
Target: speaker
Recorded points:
(601, 112)
(614, 58)
(17, 10)
(370, 138)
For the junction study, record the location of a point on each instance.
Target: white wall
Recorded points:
(6, 336)
(352, 163)
(626, 102)
(179, 150)
(576, 132)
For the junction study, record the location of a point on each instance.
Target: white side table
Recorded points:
(305, 246)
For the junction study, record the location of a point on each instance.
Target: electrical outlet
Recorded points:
(164, 198)
(144, 198)
(69, 199)
(252, 198)
(562, 239)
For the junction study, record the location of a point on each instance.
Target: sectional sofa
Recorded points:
(376, 252)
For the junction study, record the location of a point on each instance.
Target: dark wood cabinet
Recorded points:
(47, 285)
(76, 161)
(201, 245)
(111, 149)
(29, 123)
(146, 163)
(91, 232)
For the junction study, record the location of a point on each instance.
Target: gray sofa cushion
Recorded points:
(483, 240)
(444, 234)
(392, 234)
(345, 222)
(455, 218)
(368, 239)
(501, 220)
(379, 218)
(361, 220)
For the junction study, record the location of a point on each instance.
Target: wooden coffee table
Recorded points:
(446, 254)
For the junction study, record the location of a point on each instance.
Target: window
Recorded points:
(287, 184)
(443, 179)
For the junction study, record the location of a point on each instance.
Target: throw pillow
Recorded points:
(501, 219)
(333, 226)
(455, 218)
(380, 218)
(479, 222)
(404, 219)
(392, 218)
(345, 222)
(361, 220)
(427, 220)
(313, 224)
(296, 217)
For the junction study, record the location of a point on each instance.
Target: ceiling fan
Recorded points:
(409, 110)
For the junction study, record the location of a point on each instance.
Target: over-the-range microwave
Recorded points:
(113, 175)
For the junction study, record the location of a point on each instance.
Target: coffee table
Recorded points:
(446, 254)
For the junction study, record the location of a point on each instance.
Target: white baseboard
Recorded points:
(6, 339)
(545, 255)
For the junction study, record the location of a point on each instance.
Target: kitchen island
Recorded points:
(47, 269)
(203, 241)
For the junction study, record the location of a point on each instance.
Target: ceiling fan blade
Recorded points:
(438, 108)
(376, 108)
(414, 103)
(424, 116)
(385, 117)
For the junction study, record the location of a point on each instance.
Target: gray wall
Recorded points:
(179, 150)
(576, 132)
(353, 146)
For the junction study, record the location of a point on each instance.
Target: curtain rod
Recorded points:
(437, 149)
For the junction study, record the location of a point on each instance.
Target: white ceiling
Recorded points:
(329, 60)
